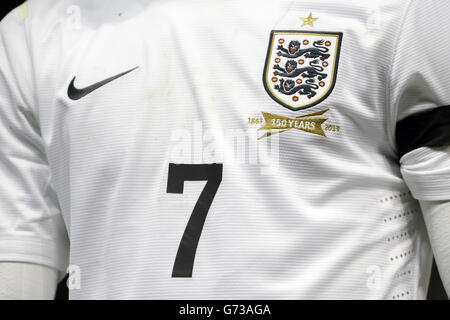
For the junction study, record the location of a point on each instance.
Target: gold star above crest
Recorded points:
(309, 21)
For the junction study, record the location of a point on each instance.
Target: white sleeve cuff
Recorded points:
(36, 251)
(426, 171)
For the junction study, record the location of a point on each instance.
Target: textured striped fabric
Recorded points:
(260, 201)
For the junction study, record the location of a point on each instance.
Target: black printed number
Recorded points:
(178, 174)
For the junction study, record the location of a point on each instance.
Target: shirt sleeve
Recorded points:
(31, 224)
(419, 94)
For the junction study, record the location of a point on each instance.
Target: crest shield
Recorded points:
(301, 67)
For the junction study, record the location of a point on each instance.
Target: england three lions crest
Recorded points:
(301, 67)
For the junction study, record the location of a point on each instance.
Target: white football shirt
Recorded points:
(224, 149)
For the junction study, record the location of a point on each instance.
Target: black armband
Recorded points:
(427, 129)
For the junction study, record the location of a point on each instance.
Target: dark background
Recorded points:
(436, 291)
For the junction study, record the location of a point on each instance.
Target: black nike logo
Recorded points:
(77, 94)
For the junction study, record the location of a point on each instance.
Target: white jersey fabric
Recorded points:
(195, 173)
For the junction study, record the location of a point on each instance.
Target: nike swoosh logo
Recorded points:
(77, 94)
